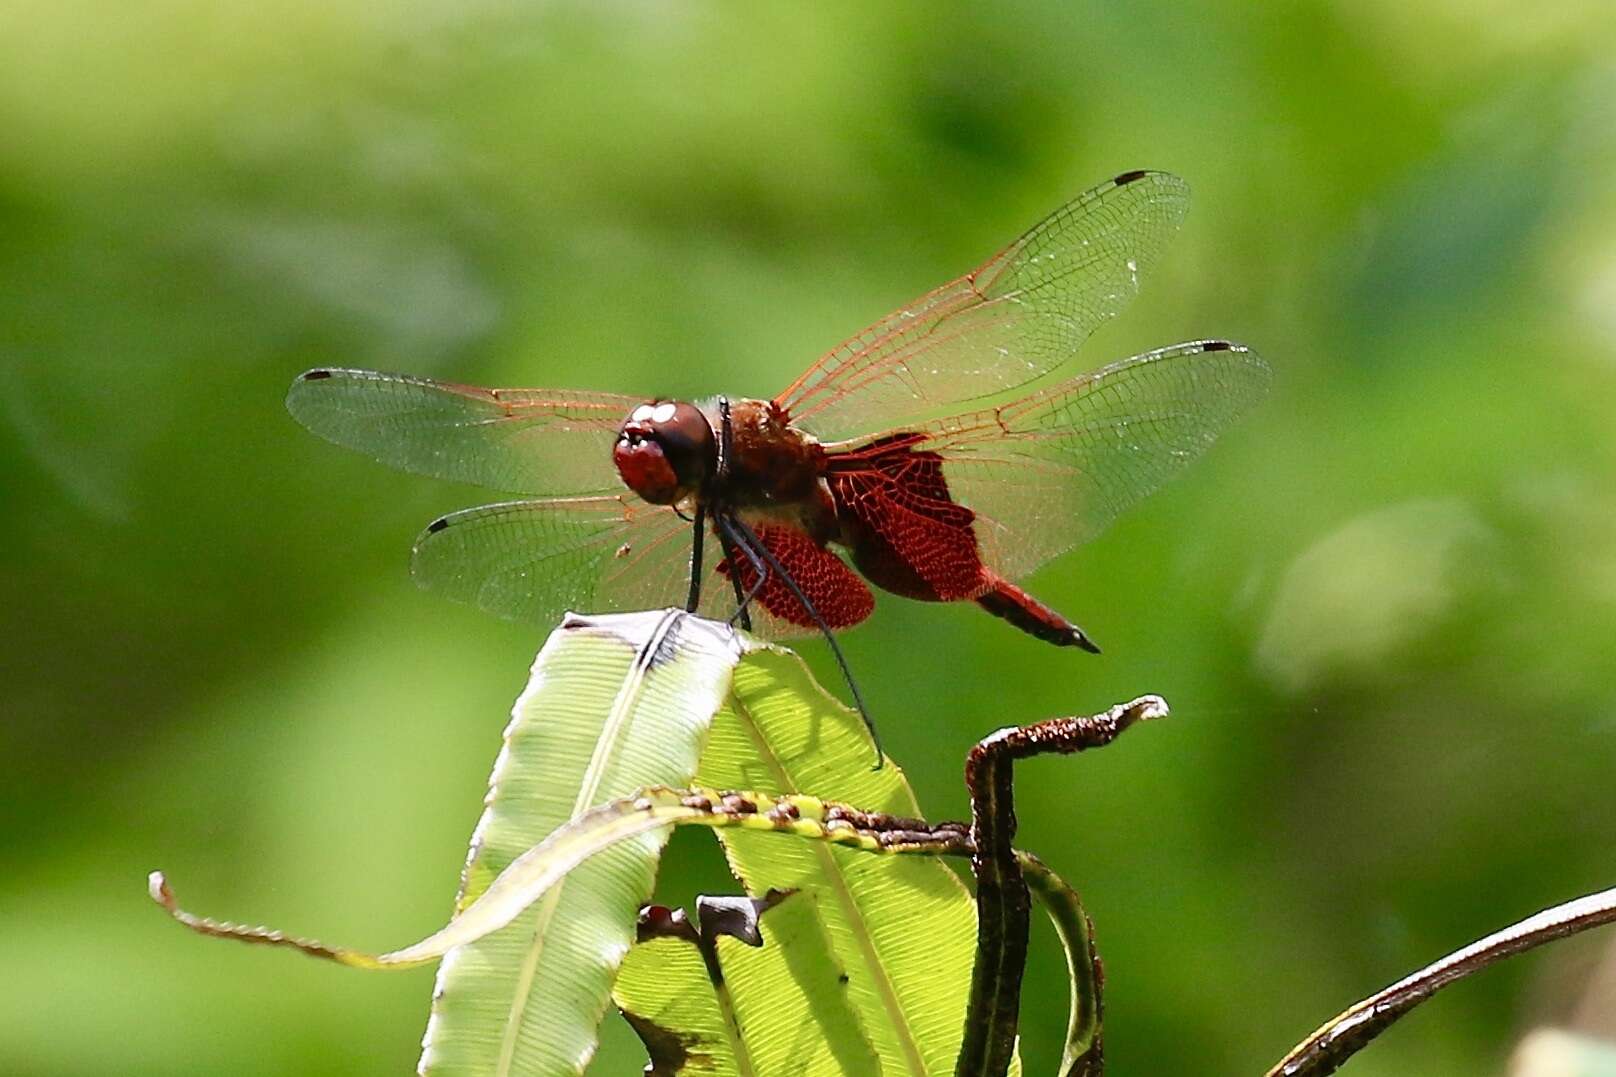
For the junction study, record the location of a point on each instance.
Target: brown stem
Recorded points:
(1002, 899)
(1349, 1031)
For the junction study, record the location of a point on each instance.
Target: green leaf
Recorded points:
(903, 928)
(666, 996)
(614, 704)
(790, 1010)
(578, 813)
(790, 998)
(785, 1014)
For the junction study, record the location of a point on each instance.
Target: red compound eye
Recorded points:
(665, 451)
(645, 468)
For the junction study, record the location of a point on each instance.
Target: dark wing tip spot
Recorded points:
(314, 375)
(1131, 177)
(1218, 346)
(437, 525)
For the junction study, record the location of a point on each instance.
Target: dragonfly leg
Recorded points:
(743, 600)
(755, 548)
(694, 600)
(726, 439)
(726, 445)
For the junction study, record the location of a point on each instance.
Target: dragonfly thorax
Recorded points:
(665, 451)
(773, 462)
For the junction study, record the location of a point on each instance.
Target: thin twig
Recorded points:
(1348, 1032)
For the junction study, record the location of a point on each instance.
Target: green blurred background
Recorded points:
(1383, 609)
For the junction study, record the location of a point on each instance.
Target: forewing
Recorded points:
(1051, 470)
(520, 440)
(1021, 313)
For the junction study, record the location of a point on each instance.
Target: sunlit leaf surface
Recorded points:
(899, 929)
(666, 995)
(790, 998)
(786, 1013)
(613, 704)
(902, 928)
(867, 970)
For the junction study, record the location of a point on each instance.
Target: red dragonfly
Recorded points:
(855, 474)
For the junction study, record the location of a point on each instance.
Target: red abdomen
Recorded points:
(1032, 616)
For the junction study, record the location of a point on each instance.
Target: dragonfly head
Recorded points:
(665, 451)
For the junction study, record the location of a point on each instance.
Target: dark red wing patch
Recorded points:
(837, 594)
(907, 534)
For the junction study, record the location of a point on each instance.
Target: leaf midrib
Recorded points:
(833, 871)
(612, 730)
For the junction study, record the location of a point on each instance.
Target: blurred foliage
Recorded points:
(1383, 610)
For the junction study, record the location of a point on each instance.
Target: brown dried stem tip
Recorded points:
(1002, 898)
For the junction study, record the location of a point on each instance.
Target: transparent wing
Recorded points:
(521, 440)
(1021, 313)
(531, 561)
(1051, 470)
